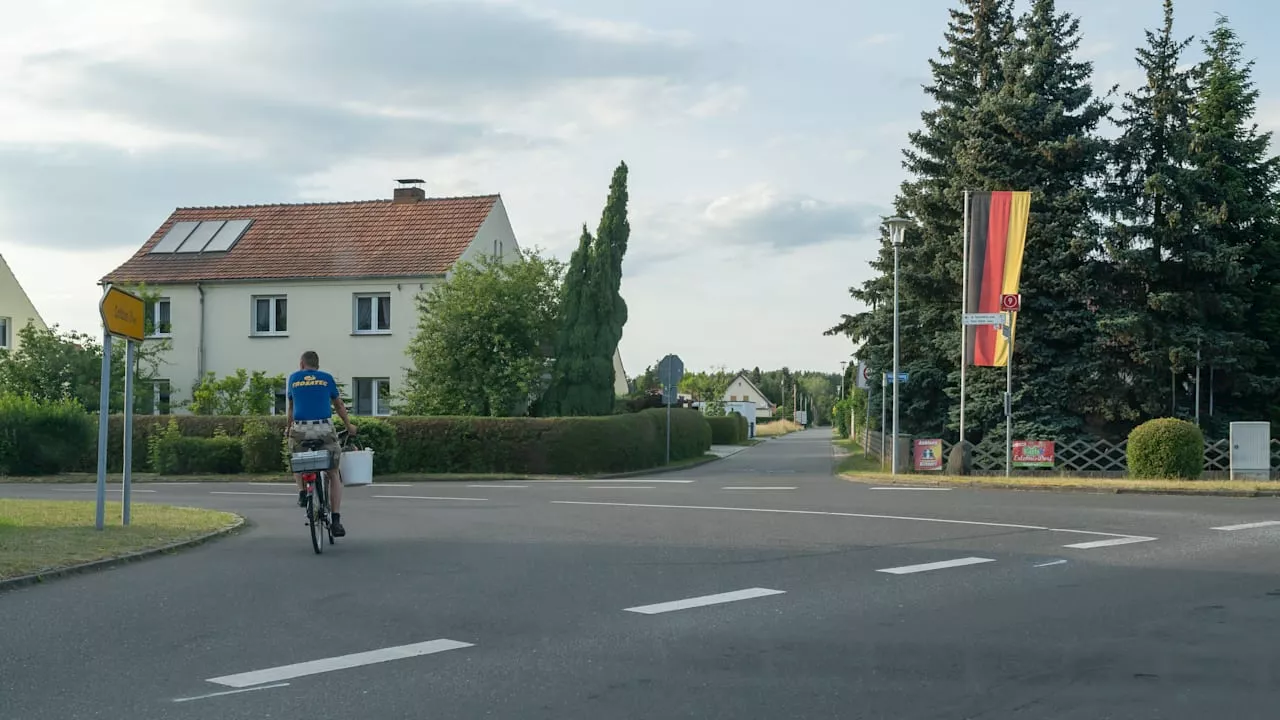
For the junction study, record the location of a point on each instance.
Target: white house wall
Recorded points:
(321, 317)
(495, 234)
(741, 390)
(15, 307)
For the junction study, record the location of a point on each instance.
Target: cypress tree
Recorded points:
(593, 314)
(1038, 132)
(1224, 280)
(1151, 204)
(969, 66)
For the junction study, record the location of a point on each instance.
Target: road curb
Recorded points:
(106, 563)
(1096, 490)
(656, 471)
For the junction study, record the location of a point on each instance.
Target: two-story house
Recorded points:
(252, 287)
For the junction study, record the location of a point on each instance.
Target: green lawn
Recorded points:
(42, 535)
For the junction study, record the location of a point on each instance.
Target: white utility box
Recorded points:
(1250, 451)
(746, 410)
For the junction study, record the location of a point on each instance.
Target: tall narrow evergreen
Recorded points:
(1151, 204)
(1226, 276)
(593, 314)
(969, 66)
(1038, 132)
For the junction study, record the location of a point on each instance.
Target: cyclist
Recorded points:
(311, 397)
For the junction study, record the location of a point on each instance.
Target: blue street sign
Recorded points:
(902, 377)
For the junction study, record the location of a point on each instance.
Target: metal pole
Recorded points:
(126, 495)
(104, 411)
(867, 427)
(1197, 384)
(964, 308)
(1008, 399)
(896, 377)
(668, 394)
(1210, 389)
(884, 408)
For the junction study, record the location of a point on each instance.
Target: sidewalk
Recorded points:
(724, 451)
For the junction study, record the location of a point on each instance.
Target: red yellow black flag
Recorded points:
(997, 238)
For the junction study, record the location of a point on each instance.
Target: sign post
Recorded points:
(671, 372)
(123, 315)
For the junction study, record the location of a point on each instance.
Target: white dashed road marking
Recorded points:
(342, 662)
(758, 487)
(1110, 542)
(703, 601)
(1249, 526)
(426, 497)
(245, 492)
(942, 565)
(230, 692)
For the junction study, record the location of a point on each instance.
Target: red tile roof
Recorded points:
(375, 238)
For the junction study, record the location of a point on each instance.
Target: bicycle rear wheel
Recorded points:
(314, 508)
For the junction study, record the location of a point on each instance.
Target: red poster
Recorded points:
(1033, 454)
(928, 455)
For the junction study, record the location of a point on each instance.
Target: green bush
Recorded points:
(378, 436)
(744, 427)
(42, 438)
(726, 430)
(262, 448)
(1166, 448)
(175, 454)
(841, 415)
(690, 432)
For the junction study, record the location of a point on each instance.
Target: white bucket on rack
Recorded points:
(356, 467)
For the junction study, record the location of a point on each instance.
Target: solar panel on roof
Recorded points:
(230, 233)
(172, 239)
(196, 241)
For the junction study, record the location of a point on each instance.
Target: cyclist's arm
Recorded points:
(341, 407)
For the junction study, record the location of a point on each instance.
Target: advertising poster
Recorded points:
(1036, 454)
(928, 455)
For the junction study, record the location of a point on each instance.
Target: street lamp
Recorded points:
(897, 228)
(843, 364)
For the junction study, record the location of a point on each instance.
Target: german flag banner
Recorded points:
(997, 237)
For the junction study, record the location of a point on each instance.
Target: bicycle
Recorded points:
(313, 462)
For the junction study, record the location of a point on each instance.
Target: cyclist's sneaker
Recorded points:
(302, 498)
(338, 530)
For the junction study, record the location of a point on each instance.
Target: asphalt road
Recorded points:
(755, 587)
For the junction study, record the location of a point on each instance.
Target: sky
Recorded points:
(763, 138)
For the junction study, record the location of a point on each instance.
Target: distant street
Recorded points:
(759, 586)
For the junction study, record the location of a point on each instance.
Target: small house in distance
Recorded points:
(16, 309)
(741, 389)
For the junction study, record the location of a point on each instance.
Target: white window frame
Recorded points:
(156, 385)
(6, 335)
(156, 332)
(373, 328)
(253, 316)
(357, 385)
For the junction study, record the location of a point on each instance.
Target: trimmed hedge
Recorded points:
(727, 430)
(1166, 448)
(38, 438)
(553, 446)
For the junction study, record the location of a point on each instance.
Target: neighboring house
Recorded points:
(252, 287)
(16, 309)
(620, 385)
(741, 389)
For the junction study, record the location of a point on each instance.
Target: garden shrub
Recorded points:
(41, 437)
(1166, 448)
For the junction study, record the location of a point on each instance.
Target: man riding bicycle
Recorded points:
(311, 397)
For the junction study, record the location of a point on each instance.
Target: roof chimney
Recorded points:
(409, 191)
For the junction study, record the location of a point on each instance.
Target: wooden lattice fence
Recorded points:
(1078, 457)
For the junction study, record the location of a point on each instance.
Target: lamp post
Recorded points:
(897, 228)
(843, 365)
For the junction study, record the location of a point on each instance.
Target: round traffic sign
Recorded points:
(866, 372)
(1011, 302)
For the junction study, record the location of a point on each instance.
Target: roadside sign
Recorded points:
(123, 314)
(996, 319)
(863, 377)
(927, 454)
(1011, 302)
(902, 377)
(670, 372)
(1033, 454)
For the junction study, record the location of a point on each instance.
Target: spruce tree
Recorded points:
(1224, 280)
(969, 66)
(1151, 203)
(1038, 132)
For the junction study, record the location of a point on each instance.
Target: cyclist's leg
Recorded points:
(295, 435)
(335, 473)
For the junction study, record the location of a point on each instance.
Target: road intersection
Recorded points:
(756, 586)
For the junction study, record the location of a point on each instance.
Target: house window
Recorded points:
(160, 315)
(746, 398)
(161, 394)
(6, 342)
(270, 315)
(373, 313)
(733, 398)
(280, 407)
(372, 396)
